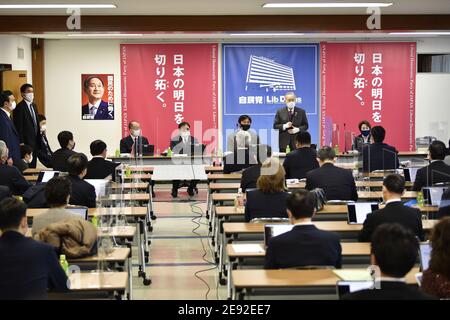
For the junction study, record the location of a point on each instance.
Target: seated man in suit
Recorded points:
(10, 176)
(240, 158)
(301, 160)
(185, 143)
(394, 250)
(96, 108)
(437, 171)
(337, 183)
(26, 154)
(44, 152)
(57, 195)
(394, 211)
(83, 193)
(4, 192)
(304, 245)
(269, 199)
(60, 156)
(135, 137)
(28, 268)
(379, 155)
(250, 175)
(99, 167)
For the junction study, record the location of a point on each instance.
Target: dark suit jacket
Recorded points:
(13, 179)
(444, 208)
(23, 121)
(179, 147)
(250, 177)
(394, 212)
(299, 162)
(237, 161)
(43, 151)
(28, 268)
(59, 159)
(265, 205)
(337, 183)
(9, 135)
(435, 172)
(390, 290)
(4, 192)
(83, 193)
(304, 245)
(299, 120)
(126, 144)
(358, 142)
(379, 156)
(102, 111)
(99, 168)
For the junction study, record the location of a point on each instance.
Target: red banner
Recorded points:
(165, 84)
(368, 81)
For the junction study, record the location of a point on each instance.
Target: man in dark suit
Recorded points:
(394, 211)
(99, 167)
(289, 121)
(301, 160)
(60, 156)
(184, 143)
(379, 155)
(127, 144)
(4, 192)
(10, 176)
(28, 268)
(444, 207)
(44, 152)
(25, 119)
(394, 250)
(96, 108)
(250, 175)
(8, 132)
(83, 193)
(338, 183)
(304, 245)
(437, 171)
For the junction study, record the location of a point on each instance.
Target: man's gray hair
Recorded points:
(3, 149)
(290, 93)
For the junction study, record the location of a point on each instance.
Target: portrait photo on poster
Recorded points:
(97, 97)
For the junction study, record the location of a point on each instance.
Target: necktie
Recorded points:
(33, 116)
(92, 110)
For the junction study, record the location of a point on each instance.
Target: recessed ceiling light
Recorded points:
(96, 35)
(266, 34)
(58, 6)
(326, 5)
(431, 33)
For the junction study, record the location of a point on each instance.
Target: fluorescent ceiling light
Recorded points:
(96, 35)
(326, 5)
(57, 6)
(265, 34)
(431, 33)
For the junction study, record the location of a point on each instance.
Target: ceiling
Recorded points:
(225, 7)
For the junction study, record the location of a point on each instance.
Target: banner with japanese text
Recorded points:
(166, 84)
(256, 78)
(373, 81)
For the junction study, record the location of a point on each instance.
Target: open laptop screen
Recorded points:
(45, 176)
(358, 211)
(433, 195)
(81, 211)
(273, 230)
(410, 174)
(425, 255)
(345, 287)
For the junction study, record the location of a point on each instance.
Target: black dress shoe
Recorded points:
(174, 193)
(190, 192)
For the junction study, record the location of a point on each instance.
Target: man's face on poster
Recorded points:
(95, 89)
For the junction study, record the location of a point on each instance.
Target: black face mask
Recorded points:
(245, 127)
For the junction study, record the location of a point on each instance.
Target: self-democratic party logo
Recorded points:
(266, 73)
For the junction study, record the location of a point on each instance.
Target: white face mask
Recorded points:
(13, 106)
(30, 159)
(29, 96)
(136, 133)
(185, 134)
(43, 128)
(291, 105)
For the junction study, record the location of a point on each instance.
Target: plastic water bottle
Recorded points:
(64, 263)
(128, 171)
(420, 198)
(239, 200)
(288, 149)
(94, 221)
(169, 152)
(336, 149)
(117, 153)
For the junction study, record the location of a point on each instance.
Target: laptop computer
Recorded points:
(148, 149)
(425, 255)
(357, 211)
(81, 211)
(45, 176)
(346, 287)
(273, 230)
(433, 195)
(410, 174)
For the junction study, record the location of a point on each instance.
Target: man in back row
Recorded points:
(134, 140)
(302, 160)
(379, 155)
(60, 156)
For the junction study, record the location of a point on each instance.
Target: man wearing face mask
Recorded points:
(26, 120)
(44, 152)
(8, 132)
(289, 120)
(60, 156)
(127, 144)
(244, 124)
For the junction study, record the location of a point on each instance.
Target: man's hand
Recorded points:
(294, 130)
(287, 125)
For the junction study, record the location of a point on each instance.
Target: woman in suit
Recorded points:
(436, 279)
(364, 136)
(269, 198)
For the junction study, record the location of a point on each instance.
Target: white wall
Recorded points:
(65, 61)
(8, 53)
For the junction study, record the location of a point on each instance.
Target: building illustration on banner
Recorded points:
(268, 74)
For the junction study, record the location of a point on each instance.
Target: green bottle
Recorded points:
(128, 171)
(64, 263)
(117, 153)
(94, 221)
(420, 198)
(336, 150)
(169, 152)
(288, 149)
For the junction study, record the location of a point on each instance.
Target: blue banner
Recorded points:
(257, 76)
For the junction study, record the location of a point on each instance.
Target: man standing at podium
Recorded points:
(289, 120)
